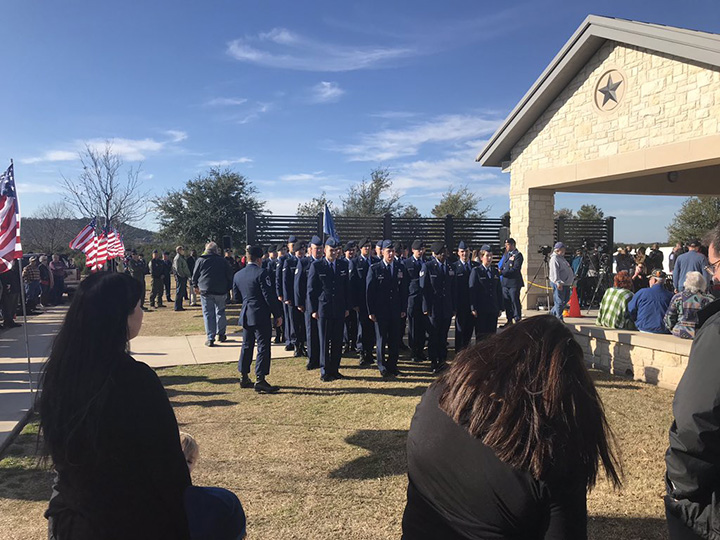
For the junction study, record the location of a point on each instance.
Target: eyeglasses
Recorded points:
(710, 268)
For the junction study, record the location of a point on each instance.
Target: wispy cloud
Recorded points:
(38, 188)
(394, 115)
(226, 162)
(304, 177)
(281, 48)
(394, 143)
(127, 149)
(326, 92)
(225, 102)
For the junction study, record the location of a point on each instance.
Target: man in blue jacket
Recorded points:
(437, 280)
(692, 261)
(648, 307)
(386, 294)
(510, 267)
(253, 287)
(359, 270)
(212, 279)
(416, 318)
(280, 271)
(485, 295)
(329, 303)
(464, 320)
(309, 343)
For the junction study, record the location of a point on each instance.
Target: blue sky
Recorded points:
(300, 97)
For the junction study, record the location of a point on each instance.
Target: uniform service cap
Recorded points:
(418, 244)
(315, 241)
(463, 245)
(388, 244)
(332, 242)
(292, 239)
(379, 243)
(155, 251)
(485, 247)
(280, 247)
(437, 247)
(365, 242)
(300, 245)
(350, 245)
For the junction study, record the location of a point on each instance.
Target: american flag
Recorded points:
(90, 251)
(10, 248)
(115, 245)
(101, 256)
(85, 236)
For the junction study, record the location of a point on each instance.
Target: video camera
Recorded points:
(545, 250)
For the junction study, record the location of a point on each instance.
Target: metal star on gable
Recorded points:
(609, 90)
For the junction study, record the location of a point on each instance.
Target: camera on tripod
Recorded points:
(545, 250)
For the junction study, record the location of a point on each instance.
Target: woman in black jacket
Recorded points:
(506, 444)
(108, 426)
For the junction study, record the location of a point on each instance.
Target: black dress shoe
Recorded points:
(397, 372)
(209, 343)
(222, 338)
(327, 378)
(246, 383)
(339, 375)
(386, 375)
(439, 368)
(310, 366)
(403, 347)
(264, 387)
(290, 347)
(298, 352)
(180, 309)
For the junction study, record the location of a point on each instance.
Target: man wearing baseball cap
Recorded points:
(692, 261)
(561, 278)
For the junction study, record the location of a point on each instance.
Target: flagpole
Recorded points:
(24, 307)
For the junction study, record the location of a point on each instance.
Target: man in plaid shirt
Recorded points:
(31, 278)
(613, 308)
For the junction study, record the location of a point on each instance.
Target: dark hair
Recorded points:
(527, 394)
(77, 375)
(623, 280)
(712, 238)
(255, 253)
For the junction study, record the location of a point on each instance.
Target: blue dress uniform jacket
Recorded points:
(311, 337)
(486, 299)
(464, 320)
(417, 323)
(286, 282)
(387, 299)
(329, 297)
(359, 269)
(253, 287)
(438, 284)
(510, 268)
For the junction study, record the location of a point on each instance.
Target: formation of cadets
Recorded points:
(335, 300)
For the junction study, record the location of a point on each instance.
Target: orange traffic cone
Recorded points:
(574, 304)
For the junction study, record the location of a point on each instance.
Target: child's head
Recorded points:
(190, 449)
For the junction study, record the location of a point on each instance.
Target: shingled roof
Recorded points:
(691, 45)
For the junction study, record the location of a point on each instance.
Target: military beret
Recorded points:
(485, 247)
(351, 245)
(418, 244)
(379, 243)
(437, 247)
(292, 239)
(255, 252)
(388, 244)
(463, 245)
(331, 242)
(315, 241)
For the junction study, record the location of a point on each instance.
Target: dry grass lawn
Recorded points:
(327, 461)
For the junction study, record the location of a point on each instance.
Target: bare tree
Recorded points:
(100, 191)
(48, 229)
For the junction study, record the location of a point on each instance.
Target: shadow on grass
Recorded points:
(22, 476)
(387, 455)
(606, 380)
(172, 392)
(174, 380)
(637, 528)
(204, 403)
(329, 390)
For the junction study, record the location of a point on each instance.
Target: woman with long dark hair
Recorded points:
(508, 441)
(108, 426)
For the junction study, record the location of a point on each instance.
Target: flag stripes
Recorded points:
(10, 246)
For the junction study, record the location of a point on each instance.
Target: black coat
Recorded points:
(359, 269)
(693, 458)
(462, 285)
(386, 293)
(485, 290)
(212, 275)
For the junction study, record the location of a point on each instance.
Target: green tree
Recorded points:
(315, 206)
(209, 207)
(590, 211)
(564, 213)
(696, 217)
(411, 211)
(459, 202)
(374, 197)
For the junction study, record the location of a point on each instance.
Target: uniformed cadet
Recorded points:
(510, 268)
(252, 286)
(329, 303)
(417, 324)
(400, 258)
(271, 265)
(359, 270)
(311, 339)
(378, 250)
(298, 319)
(351, 321)
(287, 311)
(437, 279)
(386, 290)
(464, 320)
(485, 295)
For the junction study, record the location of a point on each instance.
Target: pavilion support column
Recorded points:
(532, 226)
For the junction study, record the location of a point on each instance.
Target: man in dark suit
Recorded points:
(253, 287)
(329, 303)
(464, 320)
(416, 319)
(437, 279)
(310, 346)
(386, 293)
(512, 281)
(359, 269)
(280, 271)
(485, 295)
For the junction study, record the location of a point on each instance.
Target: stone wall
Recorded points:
(653, 359)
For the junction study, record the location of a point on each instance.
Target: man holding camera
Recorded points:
(561, 277)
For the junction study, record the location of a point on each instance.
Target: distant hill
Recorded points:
(51, 235)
